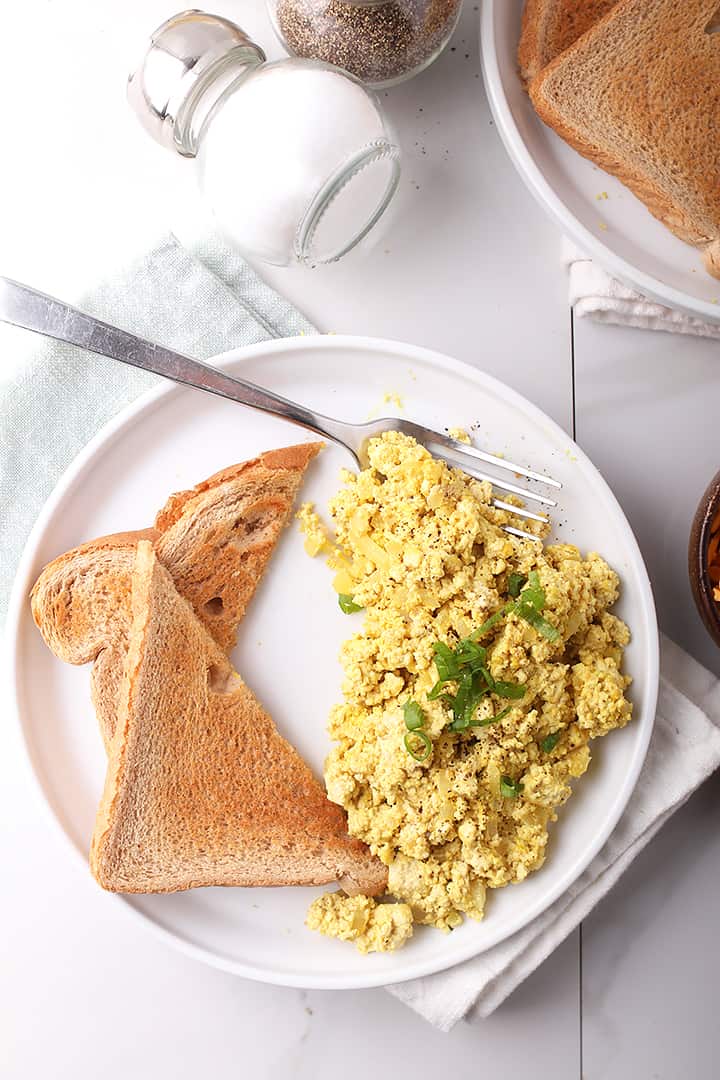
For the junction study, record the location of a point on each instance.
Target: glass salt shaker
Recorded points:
(382, 42)
(296, 160)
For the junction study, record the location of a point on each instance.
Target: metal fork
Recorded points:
(33, 310)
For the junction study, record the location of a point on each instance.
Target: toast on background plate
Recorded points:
(551, 26)
(639, 94)
(216, 541)
(201, 789)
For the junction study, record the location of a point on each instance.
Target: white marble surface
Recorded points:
(469, 266)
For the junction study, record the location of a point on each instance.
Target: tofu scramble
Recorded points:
(456, 797)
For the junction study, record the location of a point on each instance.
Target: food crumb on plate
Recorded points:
(317, 538)
(372, 926)
(390, 397)
(459, 434)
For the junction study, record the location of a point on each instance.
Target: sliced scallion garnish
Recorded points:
(511, 690)
(538, 622)
(347, 604)
(466, 667)
(413, 714)
(418, 745)
(509, 788)
(549, 743)
(515, 584)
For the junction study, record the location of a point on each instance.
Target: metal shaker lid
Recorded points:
(187, 52)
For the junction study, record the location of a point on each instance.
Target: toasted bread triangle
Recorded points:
(551, 26)
(639, 94)
(201, 789)
(216, 540)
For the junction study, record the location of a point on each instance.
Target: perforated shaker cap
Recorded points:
(187, 52)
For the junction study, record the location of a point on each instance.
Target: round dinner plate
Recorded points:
(617, 231)
(288, 643)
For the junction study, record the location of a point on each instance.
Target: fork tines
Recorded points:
(465, 457)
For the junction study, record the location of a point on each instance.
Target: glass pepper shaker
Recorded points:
(382, 42)
(296, 160)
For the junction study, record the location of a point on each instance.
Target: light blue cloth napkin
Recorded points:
(201, 301)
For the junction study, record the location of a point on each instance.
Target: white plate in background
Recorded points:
(619, 232)
(289, 641)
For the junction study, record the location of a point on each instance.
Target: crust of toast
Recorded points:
(201, 789)
(551, 26)
(639, 94)
(79, 604)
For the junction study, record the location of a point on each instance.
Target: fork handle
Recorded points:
(33, 310)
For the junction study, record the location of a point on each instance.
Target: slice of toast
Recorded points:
(217, 538)
(551, 26)
(79, 604)
(216, 541)
(639, 94)
(201, 789)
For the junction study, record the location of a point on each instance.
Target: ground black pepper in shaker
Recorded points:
(380, 41)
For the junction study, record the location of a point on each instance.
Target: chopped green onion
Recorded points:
(458, 724)
(515, 584)
(445, 662)
(466, 666)
(491, 719)
(549, 743)
(533, 593)
(511, 690)
(418, 745)
(347, 604)
(510, 788)
(462, 698)
(501, 715)
(414, 717)
(489, 681)
(539, 622)
(492, 621)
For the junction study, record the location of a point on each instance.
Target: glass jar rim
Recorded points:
(380, 150)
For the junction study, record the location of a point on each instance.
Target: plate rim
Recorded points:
(147, 401)
(534, 178)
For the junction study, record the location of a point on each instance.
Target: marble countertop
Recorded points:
(469, 266)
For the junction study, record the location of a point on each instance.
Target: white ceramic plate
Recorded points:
(289, 641)
(618, 231)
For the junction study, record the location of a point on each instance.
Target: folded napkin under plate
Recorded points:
(594, 293)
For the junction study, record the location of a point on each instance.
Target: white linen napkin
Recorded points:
(594, 293)
(684, 751)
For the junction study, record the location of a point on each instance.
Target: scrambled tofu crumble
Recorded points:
(421, 549)
(373, 927)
